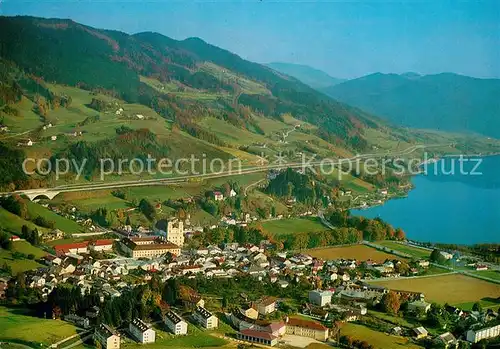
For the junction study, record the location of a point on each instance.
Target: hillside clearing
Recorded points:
(17, 326)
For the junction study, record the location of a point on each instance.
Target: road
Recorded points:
(252, 185)
(244, 171)
(321, 216)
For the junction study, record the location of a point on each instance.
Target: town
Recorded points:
(294, 299)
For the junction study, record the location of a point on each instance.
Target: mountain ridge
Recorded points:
(310, 76)
(444, 101)
(113, 61)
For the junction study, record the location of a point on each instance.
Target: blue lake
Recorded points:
(461, 208)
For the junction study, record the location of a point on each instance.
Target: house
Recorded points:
(141, 331)
(419, 306)
(218, 196)
(232, 193)
(205, 318)
(107, 337)
(3, 288)
(420, 332)
(77, 247)
(175, 323)
(78, 320)
(250, 312)
(102, 245)
(320, 298)
(266, 305)
(481, 267)
(306, 328)
(446, 255)
(397, 331)
(53, 138)
(423, 263)
(448, 340)
(475, 335)
(93, 312)
(14, 238)
(282, 283)
(345, 276)
(259, 337)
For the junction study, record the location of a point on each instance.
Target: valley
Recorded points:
(160, 192)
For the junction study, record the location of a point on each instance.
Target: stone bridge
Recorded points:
(34, 194)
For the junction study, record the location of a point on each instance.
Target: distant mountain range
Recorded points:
(313, 77)
(444, 101)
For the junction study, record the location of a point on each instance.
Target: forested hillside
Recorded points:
(446, 101)
(66, 52)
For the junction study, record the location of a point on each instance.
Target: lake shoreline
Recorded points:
(457, 209)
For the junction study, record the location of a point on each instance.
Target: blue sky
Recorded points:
(346, 39)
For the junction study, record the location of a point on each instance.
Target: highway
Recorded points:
(186, 178)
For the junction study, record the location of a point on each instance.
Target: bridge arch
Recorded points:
(42, 195)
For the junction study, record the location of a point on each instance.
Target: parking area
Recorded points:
(297, 341)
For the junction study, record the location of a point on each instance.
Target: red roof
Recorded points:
(103, 242)
(313, 325)
(258, 334)
(71, 246)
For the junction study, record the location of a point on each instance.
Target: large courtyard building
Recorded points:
(307, 328)
(148, 247)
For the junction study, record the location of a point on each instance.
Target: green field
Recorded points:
(449, 288)
(491, 274)
(379, 340)
(486, 303)
(410, 250)
(293, 225)
(60, 222)
(196, 338)
(17, 326)
(21, 264)
(13, 223)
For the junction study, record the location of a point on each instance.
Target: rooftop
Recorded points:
(313, 325)
(141, 325)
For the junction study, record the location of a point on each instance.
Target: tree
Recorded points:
(127, 220)
(391, 302)
(5, 242)
(147, 209)
(477, 307)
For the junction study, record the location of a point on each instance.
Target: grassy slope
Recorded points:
(21, 265)
(13, 224)
(60, 222)
(293, 225)
(16, 326)
(377, 339)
